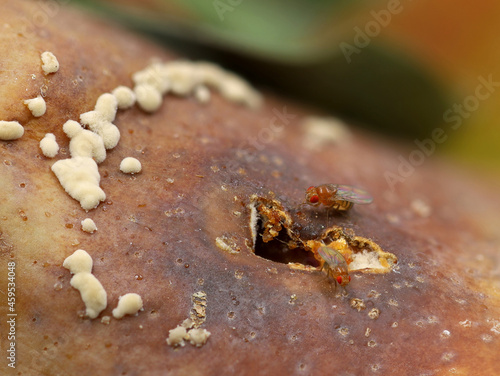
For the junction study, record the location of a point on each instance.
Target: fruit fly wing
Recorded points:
(332, 257)
(353, 194)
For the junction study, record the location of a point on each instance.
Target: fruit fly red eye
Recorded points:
(311, 187)
(339, 280)
(314, 199)
(349, 278)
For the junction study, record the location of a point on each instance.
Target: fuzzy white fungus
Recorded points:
(49, 145)
(321, 131)
(88, 225)
(198, 337)
(177, 336)
(100, 120)
(128, 304)
(130, 165)
(202, 94)
(79, 262)
(155, 75)
(93, 294)
(80, 178)
(148, 97)
(37, 106)
(10, 130)
(125, 97)
(187, 78)
(84, 143)
(50, 63)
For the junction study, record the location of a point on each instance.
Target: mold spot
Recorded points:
(343, 331)
(358, 304)
(447, 356)
(375, 367)
(228, 244)
(238, 274)
(486, 338)
(374, 313)
(445, 334)
(393, 302)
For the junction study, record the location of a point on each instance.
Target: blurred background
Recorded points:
(398, 67)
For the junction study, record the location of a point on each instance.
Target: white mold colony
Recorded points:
(190, 328)
(49, 145)
(128, 304)
(37, 106)
(130, 165)
(84, 143)
(80, 179)
(10, 130)
(321, 131)
(125, 97)
(100, 120)
(185, 78)
(79, 175)
(88, 225)
(93, 294)
(50, 63)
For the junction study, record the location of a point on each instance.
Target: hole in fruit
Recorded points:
(278, 239)
(278, 249)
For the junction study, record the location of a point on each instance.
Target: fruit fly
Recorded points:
(335, 265)
(336, 196)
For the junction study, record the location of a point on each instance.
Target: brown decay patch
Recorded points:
(228, 244)
(190, 329)
(199, 310)
(278, 238)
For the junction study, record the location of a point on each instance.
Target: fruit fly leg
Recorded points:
(302, 204)
(329, 277)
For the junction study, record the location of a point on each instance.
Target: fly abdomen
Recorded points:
(342, 205)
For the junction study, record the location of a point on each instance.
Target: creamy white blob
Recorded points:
(91, 290)
(49, 145)
(128, 304)
(10, 130)
(37, 106)
(88, 225)
(130, 165)
(49, 63)
(80, 178)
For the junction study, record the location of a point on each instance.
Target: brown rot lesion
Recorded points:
(336, 251)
